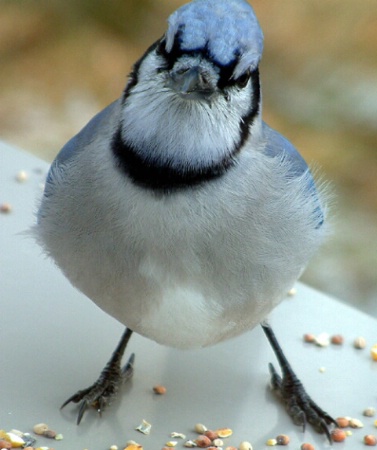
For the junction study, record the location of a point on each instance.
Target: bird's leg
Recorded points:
(298, 404)
(100, 394)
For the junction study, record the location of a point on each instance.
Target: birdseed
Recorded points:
(159, 389)
(5, 208)
(211, 434)
(145, 427)
(369, 412)
(200, 428)
(322, 340)
(224, 432)
(370, 439)
(307, 446)
(21, 176)
(282, 439)
(203, 441)
(308, 337)
(373, 352)
(337, 339)
(178, 435)
(338, 435)
(356, 423)
(359, 343)
(40, 428)
(343, 422)
(245, 446)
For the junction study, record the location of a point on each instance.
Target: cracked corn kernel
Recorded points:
(271, 442)
(373, 352)
(15, 440)
(224, 432)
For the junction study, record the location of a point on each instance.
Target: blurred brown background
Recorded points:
(62, 61)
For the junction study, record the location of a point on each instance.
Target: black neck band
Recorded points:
(150, 174)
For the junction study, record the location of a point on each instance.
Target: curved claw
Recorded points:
(83, 407)
(325, 430)
(75, 398)
(104, 389)
(300, 407)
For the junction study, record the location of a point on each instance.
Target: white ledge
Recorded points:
(54, 341)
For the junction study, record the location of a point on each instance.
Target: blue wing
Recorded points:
(278, 146)
(78, 143)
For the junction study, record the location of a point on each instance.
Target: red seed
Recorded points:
(159, 390)
(203, 441)
(370, 439)
(5, 208)
(51, 434)
(307, 446)
(5, 444)
(282, 439)
(338, 435)
(211, 434)
(343, 422)
(337, 339)
(308, 337)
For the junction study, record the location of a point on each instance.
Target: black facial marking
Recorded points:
(248, 119)
(166, 178)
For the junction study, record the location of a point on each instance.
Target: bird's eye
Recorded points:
(243, 79)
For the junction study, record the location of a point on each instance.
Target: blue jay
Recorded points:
(177, 210)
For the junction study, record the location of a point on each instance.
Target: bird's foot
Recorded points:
(300, 407)
(105, 389)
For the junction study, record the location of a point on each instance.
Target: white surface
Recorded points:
(54, 341)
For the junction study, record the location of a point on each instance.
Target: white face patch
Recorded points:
(168, 129)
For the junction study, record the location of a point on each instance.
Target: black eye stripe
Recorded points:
(226, 71)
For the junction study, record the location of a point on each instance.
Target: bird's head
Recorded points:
(194, 97)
